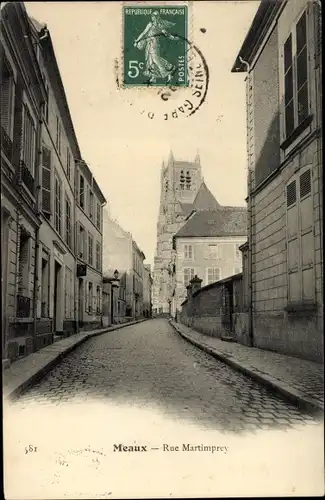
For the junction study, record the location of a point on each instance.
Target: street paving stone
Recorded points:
(150, 363)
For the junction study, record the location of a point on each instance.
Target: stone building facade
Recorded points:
(39, 154)
(89, 215)
(22, 96)
(138, 272)
(208, 246)
(117, 255)
(121, 253)
(282, 57)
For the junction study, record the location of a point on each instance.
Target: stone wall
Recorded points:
(216, 309)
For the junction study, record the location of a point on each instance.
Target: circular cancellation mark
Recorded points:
(170, 102)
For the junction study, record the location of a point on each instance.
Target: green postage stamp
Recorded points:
(155, 46)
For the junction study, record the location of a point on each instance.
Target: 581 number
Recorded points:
(134, 68)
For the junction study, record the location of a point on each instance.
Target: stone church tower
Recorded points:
(180, 183)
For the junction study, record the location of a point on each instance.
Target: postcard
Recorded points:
(161, 234)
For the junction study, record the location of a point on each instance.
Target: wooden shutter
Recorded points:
(46, 182)
(5, 101)
(292, 242)
(306, 234)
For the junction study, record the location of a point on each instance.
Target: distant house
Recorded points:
(207, 245)
(282, 57)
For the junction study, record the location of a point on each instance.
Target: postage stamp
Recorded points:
(155, 46)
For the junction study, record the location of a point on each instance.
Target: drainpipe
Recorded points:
(37, 241)
(250, 234)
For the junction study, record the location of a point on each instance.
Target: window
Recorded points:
(28, 148)
(23, 263)
(90, 249)
(90, 297)
(45, 280)
(82, 242)
(98, 301)
(68, 164)
(58, 135)
(98, 266)
(68, 231)
(46, 103)
(57, 210)
(98, 215)
(188, 252)
(82, 191)
(296, 100)
(189, 274)
(212, 252)
(213, 274)
(90, 204)
(7, 99)
(300, 238)
(182, 180)
(69, 309)
(46, 182)
(188, 180)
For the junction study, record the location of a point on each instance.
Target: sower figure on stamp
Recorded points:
(155, 65)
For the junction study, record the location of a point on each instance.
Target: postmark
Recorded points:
(155, 46)
(170, 102)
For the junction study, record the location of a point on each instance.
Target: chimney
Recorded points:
(195, 284)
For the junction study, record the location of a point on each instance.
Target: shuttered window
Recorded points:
(188, 252)
(98, 215)
(98, 259)
(58, 208)
(189, 274)
(46, 182)
(7, 96)
(68, 231)
(90, 249)
(300, 238)
(29, 134)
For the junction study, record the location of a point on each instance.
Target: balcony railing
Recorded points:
(23, 306)
(27, 178)
(6, 144)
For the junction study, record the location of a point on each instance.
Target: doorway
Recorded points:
(57, 297)
(80, 301)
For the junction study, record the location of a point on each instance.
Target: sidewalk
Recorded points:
(298, 380)
(25, 372)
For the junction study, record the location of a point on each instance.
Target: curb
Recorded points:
(300, 400)
(30, 380)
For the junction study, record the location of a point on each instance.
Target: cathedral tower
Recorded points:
(180, 183)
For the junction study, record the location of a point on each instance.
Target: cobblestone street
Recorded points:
(149, 364)
(145, 386)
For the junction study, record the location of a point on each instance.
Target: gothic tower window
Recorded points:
(166, 185)
(188, 180)
(182, 180)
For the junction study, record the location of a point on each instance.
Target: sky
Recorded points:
(122, 146)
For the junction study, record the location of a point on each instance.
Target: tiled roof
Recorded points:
(226, 221)
(204, 199)
(186, 208)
